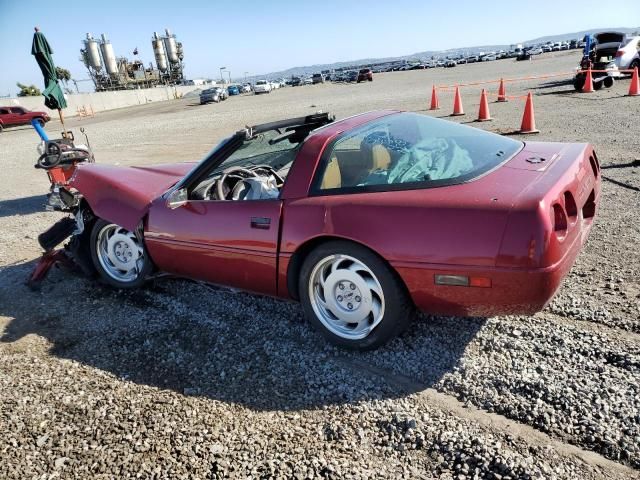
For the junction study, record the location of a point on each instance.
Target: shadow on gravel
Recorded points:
(203, 341)
(621, 184)
(22, 206)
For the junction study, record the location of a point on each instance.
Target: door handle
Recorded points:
(262, 223)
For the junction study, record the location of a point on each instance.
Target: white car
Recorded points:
(275, 85)
(262, 86)
(535, 51)
(628, 54)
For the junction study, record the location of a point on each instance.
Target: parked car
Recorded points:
(489, 58)
(317, 78)
(365, 75)
(546, 48)
(535, 51)
(307, 80)
(557, 46)
(295, 81)
(292, 210)
(262, 86)
(210, 95)
(628, 54)
(233, 90)
(351, 76)
(450, 63)
(14, 116)
(245, 88)
(223, 93)
(600, 58)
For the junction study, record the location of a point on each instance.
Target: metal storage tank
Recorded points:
(92, 52)
(108, 56)
(159, 52)
(170, 46)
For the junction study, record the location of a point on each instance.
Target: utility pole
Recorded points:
(229, 73)
(221, 77)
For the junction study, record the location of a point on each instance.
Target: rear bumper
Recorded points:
(512, 291)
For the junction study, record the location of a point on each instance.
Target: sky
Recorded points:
(261, 36)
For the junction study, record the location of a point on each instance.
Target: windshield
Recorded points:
(412, 150)
(258, 151)
(261, 82)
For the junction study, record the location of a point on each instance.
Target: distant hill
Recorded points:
(580, 35)
(426, 55)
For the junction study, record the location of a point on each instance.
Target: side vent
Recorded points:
(594, 165)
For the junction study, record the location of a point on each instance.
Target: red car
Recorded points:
(13, 116)
(362, 220)
(365, 75)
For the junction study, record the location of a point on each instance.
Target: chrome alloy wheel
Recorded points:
(120, 252)
(346, 296)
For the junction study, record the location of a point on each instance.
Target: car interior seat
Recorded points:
(377, 155)
(332, 177)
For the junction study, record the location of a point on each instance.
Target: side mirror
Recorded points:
(177, 198)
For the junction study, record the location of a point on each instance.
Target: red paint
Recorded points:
(497, 230)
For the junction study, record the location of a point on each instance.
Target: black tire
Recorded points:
(1, 128)
(40, 121)
(598, 85)
(145, 270)
(634, 64)
(578, 83)
(399, 309)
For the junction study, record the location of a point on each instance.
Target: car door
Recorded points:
(232, 243)
(18, 116)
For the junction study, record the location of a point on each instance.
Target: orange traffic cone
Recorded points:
(588, 82)
(435, 105)
(457, 104)
(483, 113)
(529, 118)
(634, 88)
(502, 94)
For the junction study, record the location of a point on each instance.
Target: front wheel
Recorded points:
(119, 255)
(353, 297)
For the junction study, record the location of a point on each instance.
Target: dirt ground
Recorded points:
(185, 380)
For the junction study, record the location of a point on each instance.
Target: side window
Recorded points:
(17, 110)
(4, 111)
(405, 151)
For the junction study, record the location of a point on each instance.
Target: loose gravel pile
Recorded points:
(185, 380)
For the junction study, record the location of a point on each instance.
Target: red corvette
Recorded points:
(362, 220)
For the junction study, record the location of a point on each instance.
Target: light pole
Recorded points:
(229, 73)
(221, 77)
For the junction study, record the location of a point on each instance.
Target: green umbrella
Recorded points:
(53, 96)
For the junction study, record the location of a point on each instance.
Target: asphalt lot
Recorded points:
(185, 380)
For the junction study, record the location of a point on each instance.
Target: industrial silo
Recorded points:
(159, 51)
(92, 53)
(170, 46)
(108, 56)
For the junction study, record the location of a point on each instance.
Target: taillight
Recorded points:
(619, 53)
(570, 205)
(559, 220)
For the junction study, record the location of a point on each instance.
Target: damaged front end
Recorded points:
(73, 255)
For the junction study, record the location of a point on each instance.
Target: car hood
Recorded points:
(122, 195)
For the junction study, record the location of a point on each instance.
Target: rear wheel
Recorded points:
(352, 297)
(119, 255)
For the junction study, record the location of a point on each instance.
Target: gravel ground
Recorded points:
(185, 380)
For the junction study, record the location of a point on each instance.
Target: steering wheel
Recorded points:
(51, 157)
(220, 184)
